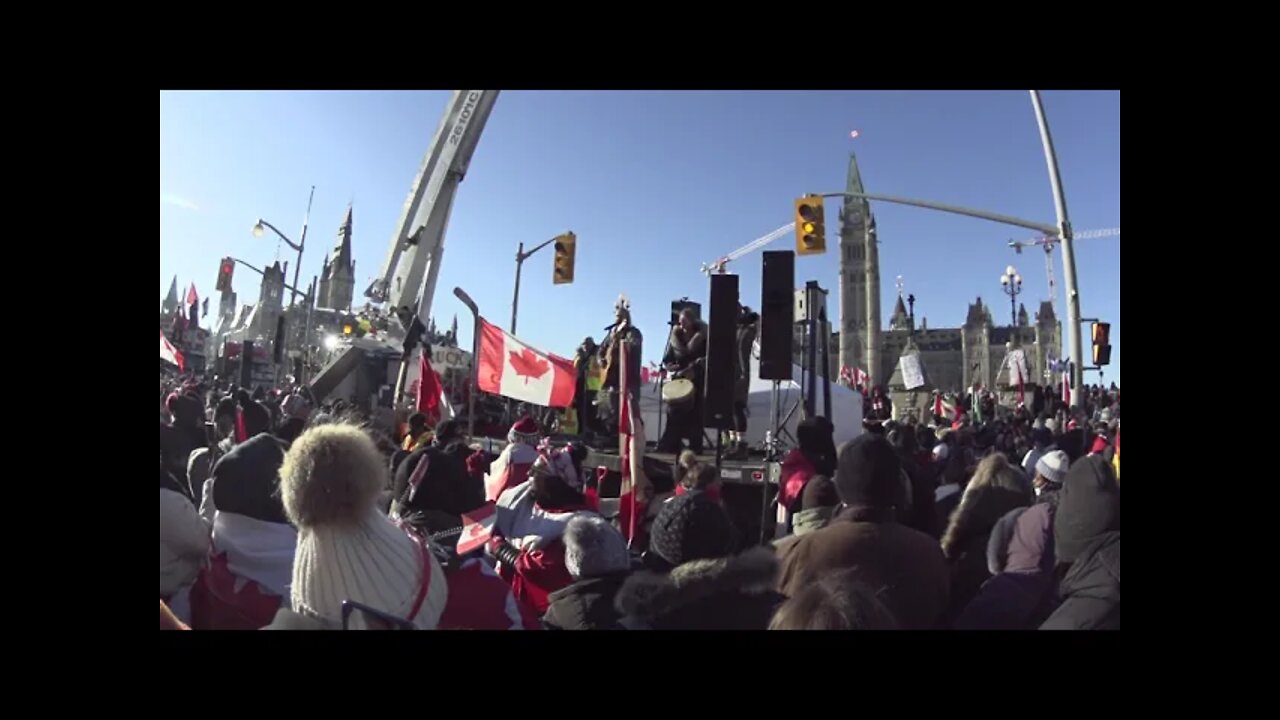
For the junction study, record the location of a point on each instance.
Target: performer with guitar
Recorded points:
(686, 360)
(620, 334)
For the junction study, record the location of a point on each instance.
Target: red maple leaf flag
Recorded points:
(510, 368)
(477, 526)
(192, 297)
(527, 364)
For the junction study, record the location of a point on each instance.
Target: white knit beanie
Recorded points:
(347, 549)
(1052, 466)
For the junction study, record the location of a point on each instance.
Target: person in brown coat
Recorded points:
(905, 567)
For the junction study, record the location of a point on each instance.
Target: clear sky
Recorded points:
(654, 184)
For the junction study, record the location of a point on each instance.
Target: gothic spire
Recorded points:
(171, 300)
(342, 248)
(854, 183)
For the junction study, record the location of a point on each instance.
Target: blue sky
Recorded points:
(653, 183)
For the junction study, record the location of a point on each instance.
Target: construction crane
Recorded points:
(407, 282)
(719, 266)
(1049, 243)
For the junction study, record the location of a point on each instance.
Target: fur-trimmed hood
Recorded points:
(649, 595)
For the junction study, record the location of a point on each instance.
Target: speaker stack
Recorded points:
(722, 332)
(777, 314)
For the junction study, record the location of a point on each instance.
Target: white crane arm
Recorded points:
(719, 265)
(409, 274)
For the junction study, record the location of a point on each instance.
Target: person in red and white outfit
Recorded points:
(531, 518)
(512, 466)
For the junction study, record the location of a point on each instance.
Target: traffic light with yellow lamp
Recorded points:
(811, 232)
(565, 247)
(1101, 344)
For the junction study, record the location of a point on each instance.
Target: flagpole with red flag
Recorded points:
(627, 488)
(429, 389)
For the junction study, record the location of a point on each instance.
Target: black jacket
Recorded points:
(444, 494)
(734, 593)
(585, 605)
(1086, 535)
(1090, 592)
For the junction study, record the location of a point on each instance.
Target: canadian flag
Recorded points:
(512, 369)
(477, 526)
(169, 352)
(860, 379)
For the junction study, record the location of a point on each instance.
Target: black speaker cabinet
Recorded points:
(777, 309)
(722, 330)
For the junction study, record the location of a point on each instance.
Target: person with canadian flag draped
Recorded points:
(512, 466)
(531, 518)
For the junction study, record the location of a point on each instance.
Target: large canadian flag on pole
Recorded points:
(169, 352)
(512, 369)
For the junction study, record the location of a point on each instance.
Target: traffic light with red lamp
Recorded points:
(811, 233)
(226, 269)
(1101, 344)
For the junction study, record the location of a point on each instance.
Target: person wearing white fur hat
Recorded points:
(347, 549)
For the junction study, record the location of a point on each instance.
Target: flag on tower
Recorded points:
(192, 297)
(205, 308)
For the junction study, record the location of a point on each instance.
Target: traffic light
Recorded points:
(811, 233)
(226, 269)
(566, 245)
(1101, 344)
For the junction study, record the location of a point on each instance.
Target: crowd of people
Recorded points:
(278, 513)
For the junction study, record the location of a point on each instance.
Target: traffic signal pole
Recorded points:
(521, 256)
(1062, 231)
(263, 273)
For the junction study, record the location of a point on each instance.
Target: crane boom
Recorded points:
(408, 277)
(1048, 243)
(718, 266)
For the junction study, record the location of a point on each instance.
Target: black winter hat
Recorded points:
(448, 431)
(1088, 507)
(691, 527)
(870, 473)
(256, 419)
(246, 480)
(226, 408)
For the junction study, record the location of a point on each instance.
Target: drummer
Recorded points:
(685, 359)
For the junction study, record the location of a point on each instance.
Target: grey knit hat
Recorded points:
(592, 547)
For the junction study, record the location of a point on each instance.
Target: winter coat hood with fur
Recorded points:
(732, 593)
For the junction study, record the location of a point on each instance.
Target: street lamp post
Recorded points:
(1068, 252)
(1011, 282)
(258, 230)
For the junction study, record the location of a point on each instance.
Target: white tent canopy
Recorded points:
(846, 404)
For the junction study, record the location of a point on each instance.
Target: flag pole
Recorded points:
(475, 358)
